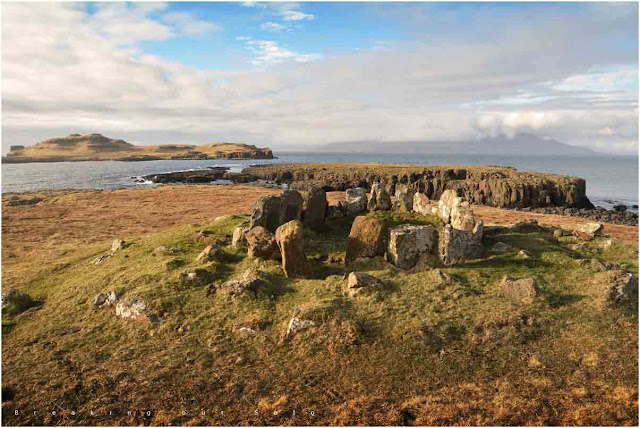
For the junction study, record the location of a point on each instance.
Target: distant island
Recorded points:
(96, 147)
(518, 145)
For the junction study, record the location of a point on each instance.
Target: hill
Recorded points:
(76, 147)
(520, 145)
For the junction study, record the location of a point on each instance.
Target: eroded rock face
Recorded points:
(239, 238)
(356, 200)
(261, 243)
(105, 299)
(315, 208)
(403, 199)
(520, 289)
(455, 245)
(493, 186)
(408, 242)
(422, 204)
(291, 243)
(366, 238)
(135, 310)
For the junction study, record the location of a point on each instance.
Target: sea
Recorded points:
(610, 180)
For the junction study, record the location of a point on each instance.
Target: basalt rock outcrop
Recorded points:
(494, 186)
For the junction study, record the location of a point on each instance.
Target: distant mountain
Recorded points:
(519, 145)
(76, 147)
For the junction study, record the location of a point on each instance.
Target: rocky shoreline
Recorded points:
(501, 187)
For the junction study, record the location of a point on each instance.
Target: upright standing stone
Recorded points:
(267, 213)
(408, 242)
(403, 198)
(356, 200)
(315, 208)
(366, 238)
(291, 243)
(379, 199)
(422, 204)
(291, 205)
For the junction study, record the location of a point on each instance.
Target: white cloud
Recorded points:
(188, 25)
(125, 23)
(267, 52)
(63, 73)
(272, 26)
(296, 15)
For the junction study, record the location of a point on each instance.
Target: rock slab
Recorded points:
(366, 238)
(408, 242)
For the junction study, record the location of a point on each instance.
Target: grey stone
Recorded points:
(408, 242)
(519, 289)
(239, 238)
(315, 208)
(261, 243)
(136, 310)
(455, 245)
(105, 299)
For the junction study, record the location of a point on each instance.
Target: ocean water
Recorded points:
(610, 179)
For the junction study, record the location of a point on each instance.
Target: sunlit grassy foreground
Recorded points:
(415, 351)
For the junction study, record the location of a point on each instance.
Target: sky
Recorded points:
(289, 75)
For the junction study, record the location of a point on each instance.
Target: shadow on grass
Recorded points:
(557, 300)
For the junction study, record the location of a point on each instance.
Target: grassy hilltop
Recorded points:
(77, 147)
(419, 350)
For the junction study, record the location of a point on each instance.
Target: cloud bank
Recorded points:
(67, 70)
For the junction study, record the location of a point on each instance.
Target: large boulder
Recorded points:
(315, 208)
(291, 243)
(422, 204)
(379, 200)
(520, 289)
(366, 238)
(135, 310)
(449, 201)
(261, 243)
(408, 242)
(455, 245)
(403, 201)
(267, 212)
(356, 200)
(453, 210)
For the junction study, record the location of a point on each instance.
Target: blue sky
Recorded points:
(292, 74)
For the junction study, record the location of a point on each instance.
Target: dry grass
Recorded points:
(413, 352)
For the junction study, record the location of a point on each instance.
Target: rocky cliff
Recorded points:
(490, 185)
(76, 147)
